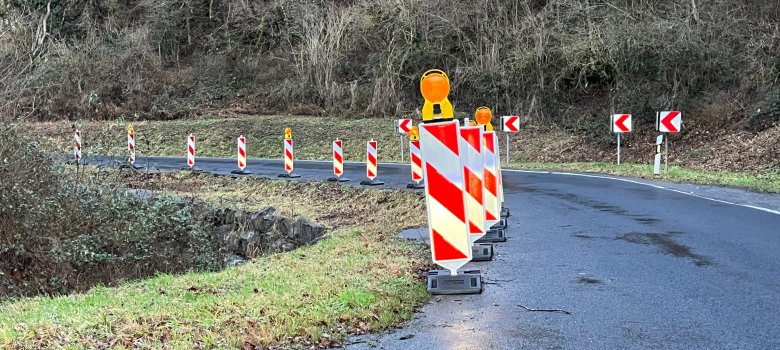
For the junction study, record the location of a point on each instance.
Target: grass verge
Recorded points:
(362, 277)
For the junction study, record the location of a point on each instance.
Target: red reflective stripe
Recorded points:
(416, 159)
(370, 173)
(490, 183)
(443, 250)
(442, 134)
(473, 185)
(445, 192)
(489, 142)
(371, 158)
(288, 154)
(472, 137)
(473, 228)
(337, 157)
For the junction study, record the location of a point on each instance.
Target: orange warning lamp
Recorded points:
(435, 87)
(483, 117)
(287, 134)
(130, 129)
(414, 134)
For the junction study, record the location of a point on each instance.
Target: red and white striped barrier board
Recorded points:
(510, 123)
(338, 158)
(77, 145)
(288, 155)
(621, 123)
(669, 121)
(491, 200)
(498, 174)
(242, 152)
(371, 160)
(445, 194)
(191, 150)
(415, 158)
(473, 170)
(131, 147)
(403, 126)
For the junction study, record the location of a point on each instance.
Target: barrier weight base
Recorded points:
(481, 252)
(130, 166)
(493, 236)
(505, 213)
(240, 172)
(372, 182)
(501, 225)
(465, 282)
(289, 176)
(338, 179)
(415, 186)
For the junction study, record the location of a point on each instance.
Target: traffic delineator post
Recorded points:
(191, 154)
(338, 162)
(241, 157)
(77, 146)
(372, 165)
(289, 160)
(492, 200)
(131, 148)
(415, 159)
(445, 190)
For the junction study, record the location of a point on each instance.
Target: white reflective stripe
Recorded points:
(447, 163)
(491, 206)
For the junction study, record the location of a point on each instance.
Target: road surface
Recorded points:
(636, 265)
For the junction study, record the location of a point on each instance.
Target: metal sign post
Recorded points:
(618, 150)
(621, 123)
(401, 143)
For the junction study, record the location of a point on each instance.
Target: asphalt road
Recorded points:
(636, 265)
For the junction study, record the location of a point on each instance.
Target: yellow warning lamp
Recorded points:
(414, 134)
(287, 134)
(435, 87)
(483, 117)
(130, 129)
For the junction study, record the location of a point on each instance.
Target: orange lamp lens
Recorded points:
(483, 115)
(435, 87)
(415, 131)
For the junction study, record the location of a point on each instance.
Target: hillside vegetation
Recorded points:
(557, 61)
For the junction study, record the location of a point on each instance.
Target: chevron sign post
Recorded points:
(372, 162)
(415, 159)
(241, 156)
(403, 127)
(338, 162)
(621, 123)
(473, 170)
(668, 122)
(509, 124)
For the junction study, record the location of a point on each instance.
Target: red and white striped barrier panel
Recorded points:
(371, 160)
(288, 155)
(131, 147)
(474, 168)
(491, 200)
(338, 158)
(242, 152)
(498, 174)
(191, 151)
(445, 194)
(77, 146)
(415, 158)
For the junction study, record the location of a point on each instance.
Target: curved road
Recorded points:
(637, 266)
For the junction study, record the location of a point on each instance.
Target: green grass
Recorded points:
(765, 182)
(361, 278)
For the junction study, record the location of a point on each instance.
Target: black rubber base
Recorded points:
(493, 236)
(372, 182)
(240, 172)
(130, 166)
(192, 170)
(501, 225)
(415, 186)
(481, 252)
(289, 176)
(465, 282)
(338, 179)
(505, 212)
